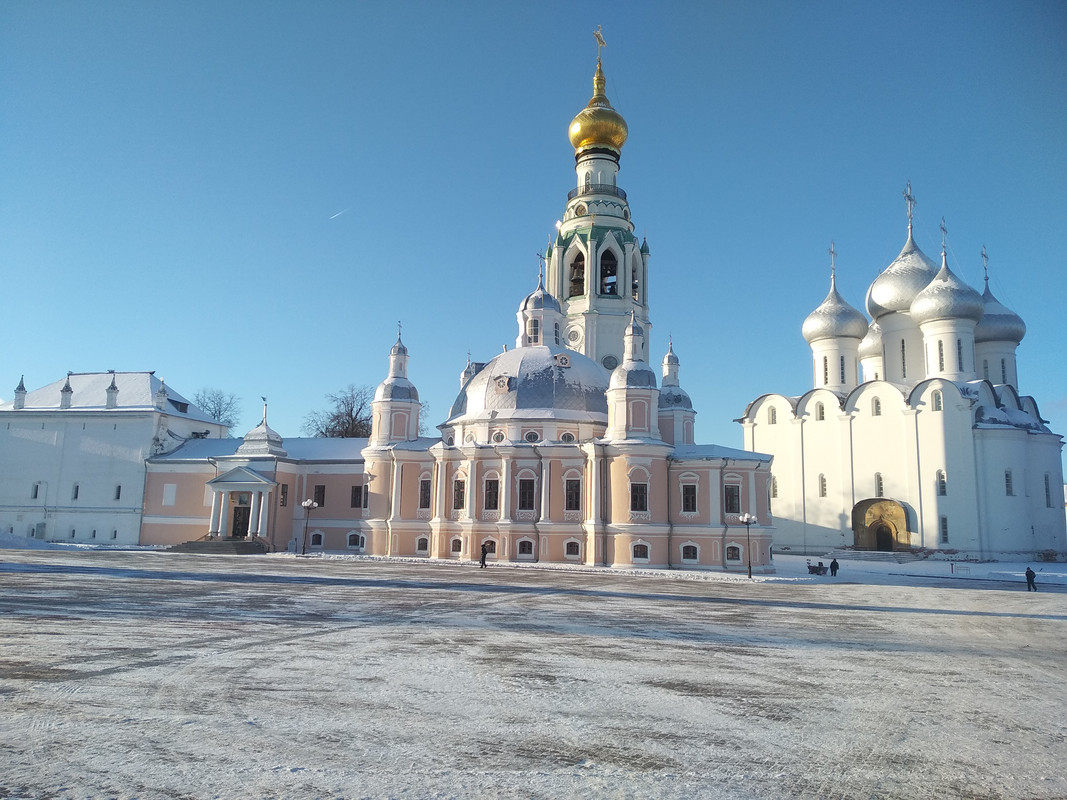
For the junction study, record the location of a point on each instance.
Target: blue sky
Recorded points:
(227, 193)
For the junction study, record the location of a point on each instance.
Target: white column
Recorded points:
(505, 488)
(216, 512)
(253, 514)
(546, 469)
(225, 521)
(264, 513)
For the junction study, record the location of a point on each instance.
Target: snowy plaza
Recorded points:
(157, 675)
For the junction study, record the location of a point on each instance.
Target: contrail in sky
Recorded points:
(339, 213)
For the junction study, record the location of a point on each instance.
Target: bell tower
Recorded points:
(596, 267)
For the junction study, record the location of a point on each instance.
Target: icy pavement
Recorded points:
(156, 675)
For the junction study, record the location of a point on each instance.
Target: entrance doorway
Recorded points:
(883, 538)
(240, 521)
(879, 523)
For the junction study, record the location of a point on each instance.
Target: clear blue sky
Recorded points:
(249, 195)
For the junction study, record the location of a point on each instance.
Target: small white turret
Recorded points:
(20, 394)
(834, 331)
(676, 414)
(633, 399)
(66, 394)
(996, 338)
(395, 408)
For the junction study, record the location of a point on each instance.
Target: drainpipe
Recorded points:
(670, 520)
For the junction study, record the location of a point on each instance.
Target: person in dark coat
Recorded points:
(1030, 585)
(485, 552)
(834, 566)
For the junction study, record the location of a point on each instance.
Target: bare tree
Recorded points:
(348, 417)
(224, 407)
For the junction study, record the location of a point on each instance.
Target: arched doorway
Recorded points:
(880, 524)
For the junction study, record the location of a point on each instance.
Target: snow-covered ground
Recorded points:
(144, 674)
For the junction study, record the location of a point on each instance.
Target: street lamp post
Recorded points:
(748, 520)
(308, 505)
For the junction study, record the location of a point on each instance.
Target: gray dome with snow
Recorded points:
(999, 323)
(833, 319)
(899, 283)
(539, 299)
(946, 297)
(394, 388)
(674, 397)
(633, 374)
(539, 381)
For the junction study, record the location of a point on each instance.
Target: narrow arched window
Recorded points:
(1009, 488)
(1003, 371)
(422, 545)
(903, 359)
(774, 487)
(940, 356)
(942, 484)
(1048, 490)
(879, 485)
(533, 331)
(842, 369)
(876, 407)
(985, 368)
(822, 486)
(959, 354)
(609, 273)
(577, 276)
(944, 530)
(316, 540)
(772, 416)
(557, 333)
(935, 400)
(825, 370)
(457, 545)
(820, 412)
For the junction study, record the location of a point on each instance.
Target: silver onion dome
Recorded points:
(946, 297)
(833, 319)
(871, 345)
(536, 382)
(899, 283)
(999, 323)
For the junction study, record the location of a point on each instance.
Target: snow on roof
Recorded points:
(136, 393)
(304, 449)
(699, 452)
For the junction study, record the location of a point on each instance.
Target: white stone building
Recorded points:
(934, 447)
(72, 453)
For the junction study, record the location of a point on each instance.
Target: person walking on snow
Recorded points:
(485, 552)
(834, 567)
(1030, 585)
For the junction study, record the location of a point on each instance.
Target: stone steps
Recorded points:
(898, 557)
(222, 547)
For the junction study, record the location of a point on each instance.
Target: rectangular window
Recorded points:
(76, 491)
(118, 492)
(424, 493)
(944, 530)
(357, 497)
(320, 494)
(283, 497)
(731, 498)
(170, 493)
(459, 493)
(689, 498)
(35, 491)
(573, 495)
(1009, 490)
(639, 497)
(959, 354)
(1048, 491)
(526, 494)
(492, 494)
(842, 369)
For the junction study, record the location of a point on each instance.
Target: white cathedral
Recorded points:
(934, 448)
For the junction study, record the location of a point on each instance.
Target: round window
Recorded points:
(574, 335)
(531, 436)
(568, 437)
(610, 362)
(469, 439)
(498, 437)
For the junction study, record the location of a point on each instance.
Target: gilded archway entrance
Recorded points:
(880, 524)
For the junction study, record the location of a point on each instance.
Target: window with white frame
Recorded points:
(170, 493)
(639, 497)
(640, 552)
(456, 546)
(573, 549)
(733, 553)
(572, 494)
(820, 412)
(459, 493)
(689, 552)
(772, 416)
(316, 540)
(822, 485)
(689, 498)
(424, 493)
(422, 545)
(525, 547)
(492, 494)
(527, 494)
(876, 407)
(731, 498)
(935, 400)
(879, 485)
(942, 483)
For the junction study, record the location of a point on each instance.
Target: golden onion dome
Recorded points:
(598, 124)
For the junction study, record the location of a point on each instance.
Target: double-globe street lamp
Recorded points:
(308, 505)
(748, 521)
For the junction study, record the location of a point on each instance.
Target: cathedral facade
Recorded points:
(915, 434)
(566, 448)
